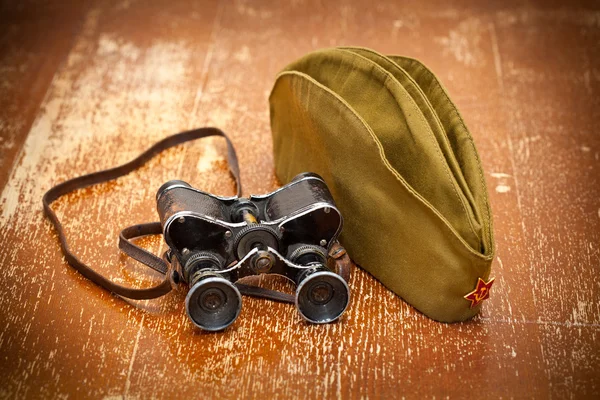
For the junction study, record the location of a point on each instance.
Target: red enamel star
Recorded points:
(481, 292)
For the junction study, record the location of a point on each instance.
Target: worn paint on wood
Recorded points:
(526, 79)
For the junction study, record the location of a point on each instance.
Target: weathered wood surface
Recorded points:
(89, 87)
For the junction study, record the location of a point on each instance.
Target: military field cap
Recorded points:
(402, 167)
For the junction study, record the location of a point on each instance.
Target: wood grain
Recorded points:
(34, 39)
(118, 76)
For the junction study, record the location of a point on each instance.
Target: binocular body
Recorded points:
(215, 241)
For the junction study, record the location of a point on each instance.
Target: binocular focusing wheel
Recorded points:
(322, 297)
(253, 235)
(213, 303)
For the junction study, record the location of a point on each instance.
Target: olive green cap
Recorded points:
(401, 165)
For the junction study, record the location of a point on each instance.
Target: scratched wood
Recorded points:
(119, 76)
(34, 39)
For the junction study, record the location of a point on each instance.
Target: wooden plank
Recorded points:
(35, 38)
(552, 110)
(524, 78)
(117, 93)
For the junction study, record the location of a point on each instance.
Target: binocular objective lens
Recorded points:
(213, 303)
(322, 297)
(170, 184)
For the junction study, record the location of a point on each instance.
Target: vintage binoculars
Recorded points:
(215, 241)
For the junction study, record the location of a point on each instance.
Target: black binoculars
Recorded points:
(215, 241)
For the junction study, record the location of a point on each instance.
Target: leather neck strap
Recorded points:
(154, 228)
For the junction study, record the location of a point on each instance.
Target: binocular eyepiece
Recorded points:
(322, 297)
(216, 241)
(213, 303)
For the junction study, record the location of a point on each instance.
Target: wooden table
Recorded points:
(88, 86)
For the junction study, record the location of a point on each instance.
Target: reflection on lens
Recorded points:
(322, 297)
(320, 293)
(212, 299)
(213, 303)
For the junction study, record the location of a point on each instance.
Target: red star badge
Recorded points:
(481, 292)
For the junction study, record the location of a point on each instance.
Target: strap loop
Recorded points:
(136, 252)
(137, 230)
(154, 228)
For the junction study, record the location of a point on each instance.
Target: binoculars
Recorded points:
(216, 241)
